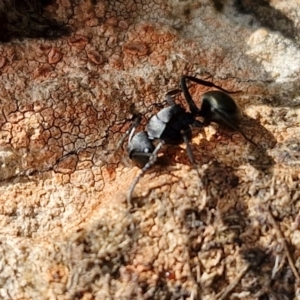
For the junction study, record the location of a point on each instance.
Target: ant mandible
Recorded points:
(172, 125)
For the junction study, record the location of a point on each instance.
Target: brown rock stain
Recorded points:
(78, 41)
(136, 48)
(54, 56)
(43, 71)
(95, 57)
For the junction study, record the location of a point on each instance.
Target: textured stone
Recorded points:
(66, 229)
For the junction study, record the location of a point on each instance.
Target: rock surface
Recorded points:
(66, 229)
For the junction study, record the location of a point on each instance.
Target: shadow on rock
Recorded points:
(258, 156)
(26, 19)
(261, 11)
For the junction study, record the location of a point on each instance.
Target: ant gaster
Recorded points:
(172, 125)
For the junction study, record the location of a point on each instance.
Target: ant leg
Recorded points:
(198, 124)
(244, 135)
(151, 161)
(171, 95)
(234, 126)
(189, 149)
(190, 152)
(203, 82)
(246, 138)
(188, 98)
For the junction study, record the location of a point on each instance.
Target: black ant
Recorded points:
(172, 125)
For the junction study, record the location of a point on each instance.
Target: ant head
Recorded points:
(140, 149)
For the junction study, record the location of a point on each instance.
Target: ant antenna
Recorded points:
(129, 132)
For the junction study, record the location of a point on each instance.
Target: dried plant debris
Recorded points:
(26, 19)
